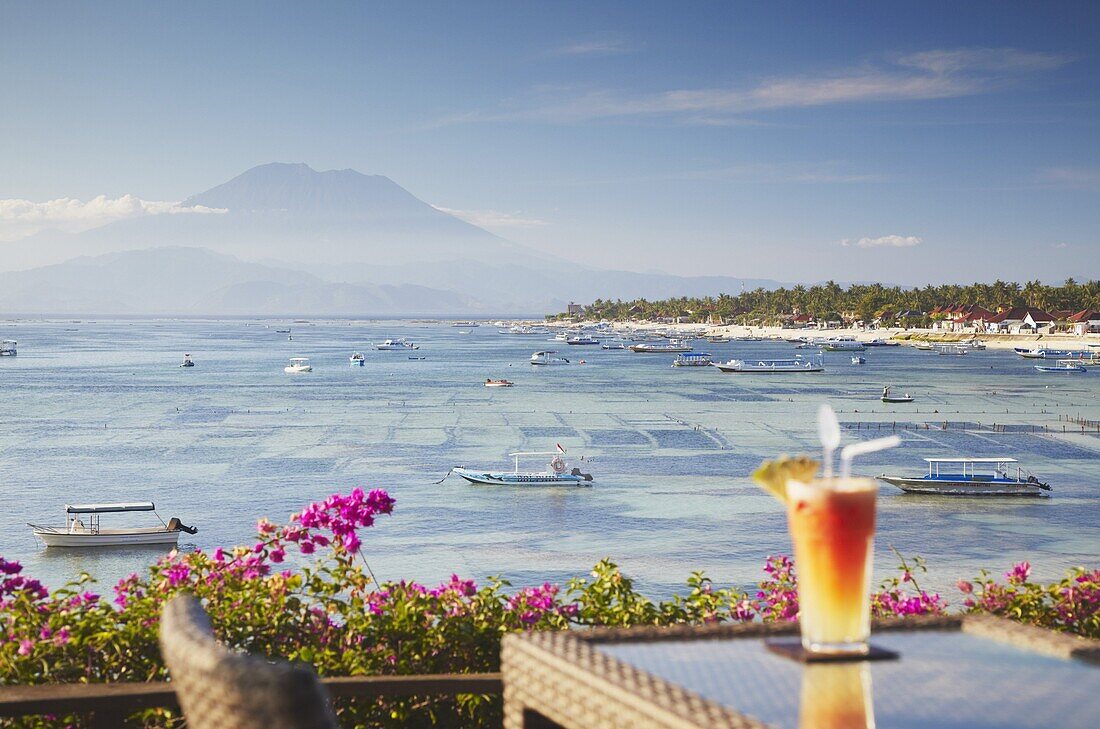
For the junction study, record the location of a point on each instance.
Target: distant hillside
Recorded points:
(197, 281)
(342, 226)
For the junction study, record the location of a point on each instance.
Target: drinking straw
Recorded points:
(858, 449)
(828, 429)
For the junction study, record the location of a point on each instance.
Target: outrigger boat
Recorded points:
(556, 475)
(957, 349)
(772, 366)
(76, 534)
(887, 397)
(582, 341)
(959, 477)
(840, 344)
(613, 345)
(882, 343)
(1041, 353)
(1064, 365)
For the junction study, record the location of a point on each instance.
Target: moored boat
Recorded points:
(8, 348)
(558, 473)
(582, 341)
(298, 365)
(1064, 365)
(396, 344)
(887, 397)
(672, 346)
(612, 345)
(1042, 353)
(76, 534)
(692, 359)
(547, 358)
(959, 477)
(923, 346)
(187, 361)
(840, 344)
(498, 383)
(857, 360)
(357, 359)
(882, 343)
(952, 349)
(772, 366)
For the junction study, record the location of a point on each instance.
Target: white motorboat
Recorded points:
(357, 359)
(965, 481)
(582, 341)
(396, 344)
(772, 366)
(972, 344)
(952, 349)
(298, 365)
(1064, 365)
(923, 346)
(557, 474)
(547, 358)
(672, 346)
(7, 348)
(499, 383)
(692, 359)
(76, 533)
(187, 361)
(613, 345)
(857, 360)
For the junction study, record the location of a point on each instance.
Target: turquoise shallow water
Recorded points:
(100, 411)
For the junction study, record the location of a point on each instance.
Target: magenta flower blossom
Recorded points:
(1018, 575)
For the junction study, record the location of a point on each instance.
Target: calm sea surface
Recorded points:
(99, 411)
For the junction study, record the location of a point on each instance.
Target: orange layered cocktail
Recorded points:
(832, 525)
(836, 696)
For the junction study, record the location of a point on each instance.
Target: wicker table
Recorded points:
(952, 672)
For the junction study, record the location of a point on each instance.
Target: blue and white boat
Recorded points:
(582, 340)
(357, 359)
(396, 344)
(692, 359)
(558, 473)
(546, 358)
(1041, 353)
(772, 366)
(961, 477)
(1064, 365)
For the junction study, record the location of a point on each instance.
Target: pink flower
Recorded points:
(965, 587)
(1019, 574)
(278, 554)
(25, 647)
(62, 637)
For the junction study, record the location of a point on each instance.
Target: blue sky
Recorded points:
(799, 142)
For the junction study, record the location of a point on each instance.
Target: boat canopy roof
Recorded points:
(299, 359)
(970, 460)
(108, 508)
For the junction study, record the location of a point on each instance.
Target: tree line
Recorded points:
(830, 301)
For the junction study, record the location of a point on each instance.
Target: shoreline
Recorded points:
(992, 341)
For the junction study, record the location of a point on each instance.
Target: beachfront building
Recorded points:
(1086, 321)
(1021, 320)
(574, 309)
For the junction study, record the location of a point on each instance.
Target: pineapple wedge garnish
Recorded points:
(773, 475)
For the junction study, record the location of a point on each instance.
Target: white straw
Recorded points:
(858, 449)
(828, 430)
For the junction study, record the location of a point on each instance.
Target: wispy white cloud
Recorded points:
(20, 218)
(934, 74)
(884, 241)
(494, 218)
(1076, 177)
(602, 44)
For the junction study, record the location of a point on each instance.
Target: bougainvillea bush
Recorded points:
(334, 616)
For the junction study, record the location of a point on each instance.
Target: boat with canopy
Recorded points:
(76, 533)
(558, 472)
(971, 477)
(772, 366)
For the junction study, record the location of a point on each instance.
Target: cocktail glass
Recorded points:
(832, 525)
(836, 696)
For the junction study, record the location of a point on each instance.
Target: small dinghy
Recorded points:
(77, 534)
(859, 360)
(887, 397)
(498, 383)
(358, 359)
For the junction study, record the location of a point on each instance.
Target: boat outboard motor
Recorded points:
(1032, 480)
(175, 525)
(577, 472)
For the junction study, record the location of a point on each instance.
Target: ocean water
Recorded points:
(100, 411)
